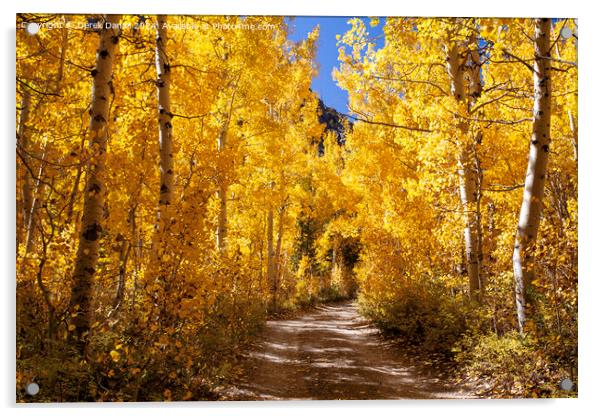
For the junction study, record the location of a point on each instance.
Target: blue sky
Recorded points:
(327, 53)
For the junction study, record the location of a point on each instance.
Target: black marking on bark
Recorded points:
(168, 125)
(166, 68)
(160, 83)
(92, 232)
(534, 142)
(169, 171)
(104, 53)
(164, 189)
(115, 39)
(99, 119)
(94, 187)
(94, 72)
(546, 148)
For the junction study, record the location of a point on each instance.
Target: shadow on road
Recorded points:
(332, 353)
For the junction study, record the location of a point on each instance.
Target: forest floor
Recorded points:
(332, 353)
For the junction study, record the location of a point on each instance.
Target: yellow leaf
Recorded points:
(115, 355)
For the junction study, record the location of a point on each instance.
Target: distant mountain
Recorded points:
(333, 121)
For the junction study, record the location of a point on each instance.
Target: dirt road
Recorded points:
(332, 353)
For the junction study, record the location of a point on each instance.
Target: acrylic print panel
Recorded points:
(267, 208)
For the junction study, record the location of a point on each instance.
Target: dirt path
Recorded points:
(332, 353)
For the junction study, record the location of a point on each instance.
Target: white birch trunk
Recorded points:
(530, 212)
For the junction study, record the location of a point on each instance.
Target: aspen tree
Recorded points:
(475, 89)
(165, 124)
(270, 247)
(23, 149)
(533, 193)
(466, 172)
(222, 191)
(91, 226)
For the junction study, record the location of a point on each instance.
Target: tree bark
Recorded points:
(25, 176)
(165, 126)
(271, 263)
(475, 89)
(31, 217)
(574, 136)
(279, 243)
(468, 178)
(222, 190)
(530, 212)
(91, 229)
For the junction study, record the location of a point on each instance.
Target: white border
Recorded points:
(589, 198)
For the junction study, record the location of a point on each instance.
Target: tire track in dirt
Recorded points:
(331, 353)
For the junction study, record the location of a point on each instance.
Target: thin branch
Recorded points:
(381, 123)
(519, 60)
(25, 84)
(432, 84)
(504, 188)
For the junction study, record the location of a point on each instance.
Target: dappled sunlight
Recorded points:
(331, 353)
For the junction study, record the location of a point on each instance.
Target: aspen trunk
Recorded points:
(124, 253)
(279, 244)
(335, 257)
(475, 88)
(271, 263)
(468, 178)
(222, 222)
(530, 212)
(165, 126)
(31, 218)
(468, 197)
(91, 228)
(574, 136)
(25, 176)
